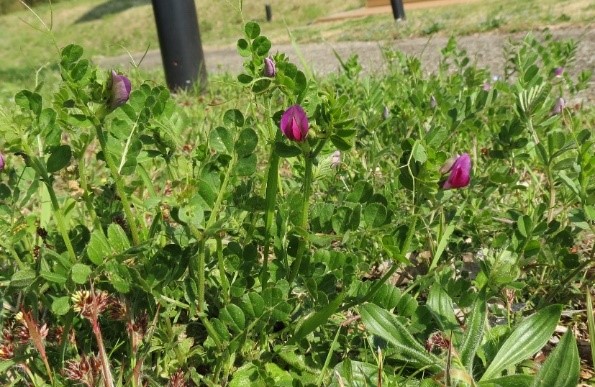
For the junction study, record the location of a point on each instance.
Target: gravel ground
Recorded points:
(485, 49)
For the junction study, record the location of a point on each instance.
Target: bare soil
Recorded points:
(486, 50)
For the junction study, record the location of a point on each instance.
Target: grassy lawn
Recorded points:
(110, 28)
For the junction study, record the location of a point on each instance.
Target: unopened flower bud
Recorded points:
(120, 87)
(558, 71)
(433, 102)
(294, 123)
(385, 113)
(460, 172)
(270, 70)
(559, 106)
(335, 159)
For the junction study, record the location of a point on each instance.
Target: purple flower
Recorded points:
(269, 67)
(119, 90)
(559, 106)
(558, 71)
(1, 162)
(460, 170)
(294, 123)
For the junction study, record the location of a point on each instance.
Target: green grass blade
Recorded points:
(591, 325)
(317, 319)
(562, 367)
(531, 334)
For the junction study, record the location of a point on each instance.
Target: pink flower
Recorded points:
(294, 123)
(119, 90)
(558, 71)
(2, 163)
(460, 170)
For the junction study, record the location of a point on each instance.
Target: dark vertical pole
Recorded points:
(181, 48)
(398, 10)
(269, 12)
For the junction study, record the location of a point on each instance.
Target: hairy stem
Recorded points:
(270, 200)
(119, 185)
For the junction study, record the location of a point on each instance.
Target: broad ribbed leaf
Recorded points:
(562, 367)
(508, 381)
(531, 334)
(474, 333)
(386, 326)
(354, 373)
(442, 308)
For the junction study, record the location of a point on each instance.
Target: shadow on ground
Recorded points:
(109, 8)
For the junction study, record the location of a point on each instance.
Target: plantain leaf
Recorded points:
(474, 333)
(508, 381)
(562, 367)
(386, 326)
(442, 308)
(531, 334)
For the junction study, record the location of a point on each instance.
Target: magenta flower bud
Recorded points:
(460, 172)
(558, 71)
(1, 162)
(487, 86)
(119, 90)
(294, 123)
(559, 106)
(269, 67)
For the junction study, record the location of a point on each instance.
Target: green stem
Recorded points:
(202, 255)
(270, 200)
(552, 203)
(119, 185)
(221, 194)
(303, 224)
(60, 221)
(86, 196)
(39, 167)
(221, 266)
(202, 237)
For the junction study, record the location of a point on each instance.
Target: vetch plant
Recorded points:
(285, 232)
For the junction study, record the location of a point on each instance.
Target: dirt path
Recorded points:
(486, 50)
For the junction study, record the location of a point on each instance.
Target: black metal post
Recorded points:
(269, 12)
(398, 10)
(179, 39)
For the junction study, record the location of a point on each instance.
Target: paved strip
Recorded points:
(486, 50)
